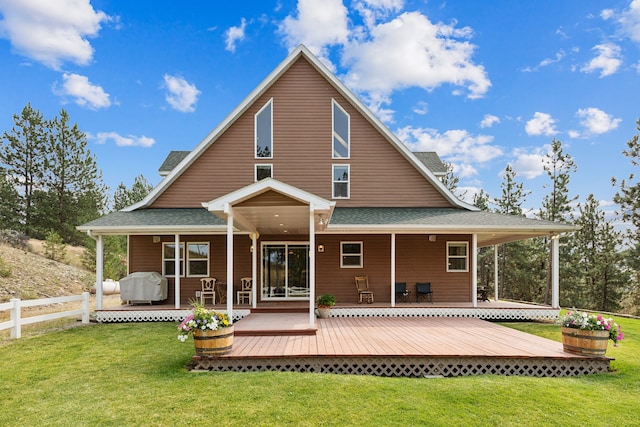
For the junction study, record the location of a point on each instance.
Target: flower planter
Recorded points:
(585, 342)
(213, 343)
(324, 312)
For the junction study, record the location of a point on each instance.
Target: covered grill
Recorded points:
(144, 287)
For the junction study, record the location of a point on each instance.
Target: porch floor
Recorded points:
(398, 346)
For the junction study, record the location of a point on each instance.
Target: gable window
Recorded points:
(351, 254)
(264, 131)
(340, 132)
(457, 256)
(263, 171)
(340, 182)
(197, 259)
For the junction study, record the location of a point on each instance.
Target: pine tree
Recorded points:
(124, 197)
(23, 155)
(9, 202)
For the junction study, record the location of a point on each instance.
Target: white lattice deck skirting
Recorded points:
(389, 366)
(501, 314)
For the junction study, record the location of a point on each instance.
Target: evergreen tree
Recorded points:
(9, 199)
(23, 155)
(485, 255)
(596, 245)
(124, 197)
(511, 255)
(556, 205)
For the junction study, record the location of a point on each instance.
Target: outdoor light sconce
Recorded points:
(432, 237)
(320, 248)
(322, 220)
(156, 239)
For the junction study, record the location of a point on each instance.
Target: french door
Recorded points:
(285, 271)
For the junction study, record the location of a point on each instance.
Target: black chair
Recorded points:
(423, 289)
(401, 291)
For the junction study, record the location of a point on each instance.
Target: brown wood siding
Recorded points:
(380, 175)
(270, 198)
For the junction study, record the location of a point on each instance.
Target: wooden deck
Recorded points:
(395, 346)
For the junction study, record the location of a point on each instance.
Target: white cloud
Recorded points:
(412, 51)
(373, 11)
(181, 95)
(630, 21)
(86, 94)
(124, 141)
(318, 25)
(541, 124)
(235, 34)
(597, 121)
(608, 60)
(51, 32)
(457, 146)
(489, 120)
(573, 134)
(528, 165)
(421, 108)
(607, 14)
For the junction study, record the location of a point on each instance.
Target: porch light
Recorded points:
(322, 220)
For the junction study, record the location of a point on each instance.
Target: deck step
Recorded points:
(274, 332)
(280, 310)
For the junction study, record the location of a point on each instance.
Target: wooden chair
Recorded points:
(423, 289)
(402, 292)
(362, 285)
(245, 291)
(208, 290)
(221, 292)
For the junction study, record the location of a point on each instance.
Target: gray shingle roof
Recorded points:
(432, 161)
(146, 218)
(172, 161)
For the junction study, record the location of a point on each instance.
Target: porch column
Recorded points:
(99, 270)
(555, 271)
(229, 212)
(495, 272)
(393, 269)
(312, 266)
(474, 269)
(177, 270)
(254, 269)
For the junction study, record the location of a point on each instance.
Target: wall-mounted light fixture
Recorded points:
(320, 248)
(432, 237)
(322, 220)
(156, 239)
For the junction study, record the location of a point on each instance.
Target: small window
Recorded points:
(340, 182)
(264, 131)
(169, 259)
(264, 171)
(351, 254)
(457, 256)
(198, 259)
(340, 132)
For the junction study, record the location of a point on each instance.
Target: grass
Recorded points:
(134, 374)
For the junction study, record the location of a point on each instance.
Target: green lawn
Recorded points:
(134, 375)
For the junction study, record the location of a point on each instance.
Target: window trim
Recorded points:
(255, 170)
(334, 104)
(465, 257)
(342, 254)
(334, 182)
(185, 259)
(255, 131)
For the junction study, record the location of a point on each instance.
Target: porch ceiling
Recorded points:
(274, 219)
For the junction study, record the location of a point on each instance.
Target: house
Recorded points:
(302, 188)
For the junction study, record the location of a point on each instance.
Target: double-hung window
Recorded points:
(340, 182)
(351, 254)
(340, 132)
(197, 259)
(264, 131)
(457, 256)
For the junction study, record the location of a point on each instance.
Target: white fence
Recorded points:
(16, 320)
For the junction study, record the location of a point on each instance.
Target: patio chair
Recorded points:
(208, 290)
(244, 294)
(401, 291)
(362, 285)
(423, 289)
(221, 292)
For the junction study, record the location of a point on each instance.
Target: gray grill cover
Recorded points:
(144, 286)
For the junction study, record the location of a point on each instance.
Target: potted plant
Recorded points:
(588, 334)
(325, 302)
(212, 331)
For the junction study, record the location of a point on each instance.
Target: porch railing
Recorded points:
(15, 308)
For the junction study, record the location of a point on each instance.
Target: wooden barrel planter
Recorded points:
(213, 343)
(587, 343)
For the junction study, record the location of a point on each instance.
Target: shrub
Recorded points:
(5, 269)
(54, 248)
(15, 239)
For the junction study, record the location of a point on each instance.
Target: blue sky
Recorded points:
(484, 84)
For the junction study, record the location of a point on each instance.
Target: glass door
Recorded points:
(285, 271)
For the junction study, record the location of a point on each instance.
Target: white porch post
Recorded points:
(393, 269)
(312, 267)
(229, 212)
(254, 269)
(555, 271)
(495, 272)
(474, 269)
(177, 270)
(99, 270)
